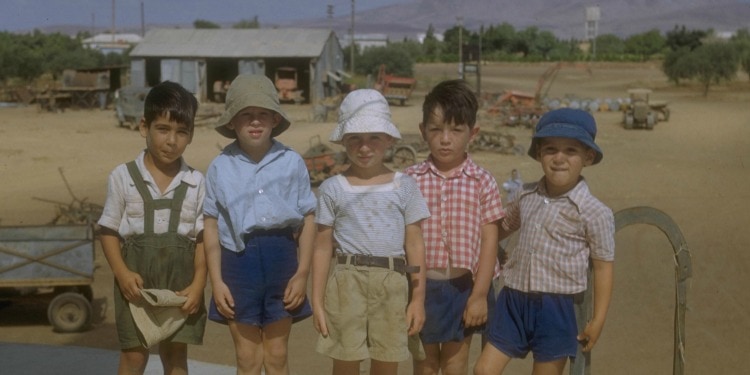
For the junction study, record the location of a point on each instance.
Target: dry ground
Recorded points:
(692, 167)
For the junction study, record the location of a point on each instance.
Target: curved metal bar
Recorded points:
(683, 271)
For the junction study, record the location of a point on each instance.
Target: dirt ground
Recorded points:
(693, 168)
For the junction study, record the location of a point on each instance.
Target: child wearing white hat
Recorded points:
(258, 200)
(367, 308)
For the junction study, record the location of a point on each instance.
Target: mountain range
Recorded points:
(566, 19)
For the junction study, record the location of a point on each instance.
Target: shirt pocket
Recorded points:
(134, 206)
(567, 229)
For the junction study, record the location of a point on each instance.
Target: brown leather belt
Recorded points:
(396, 264)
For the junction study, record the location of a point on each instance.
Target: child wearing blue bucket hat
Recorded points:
(562, 225)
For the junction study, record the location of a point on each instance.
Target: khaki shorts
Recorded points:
(366, 314)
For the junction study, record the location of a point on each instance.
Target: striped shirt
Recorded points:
(460, 204)
(557, 237)
(371, 219)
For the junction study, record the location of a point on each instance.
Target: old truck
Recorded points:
(129, 103)
(287, 83)
(395, 88)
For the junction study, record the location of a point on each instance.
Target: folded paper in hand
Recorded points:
(158, 315)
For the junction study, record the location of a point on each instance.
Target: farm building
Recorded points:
(201, 59)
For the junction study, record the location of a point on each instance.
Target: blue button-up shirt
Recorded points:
(245, 196)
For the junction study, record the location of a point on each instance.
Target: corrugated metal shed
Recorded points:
(232, 43)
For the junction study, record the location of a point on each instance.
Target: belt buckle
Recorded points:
(364, 260)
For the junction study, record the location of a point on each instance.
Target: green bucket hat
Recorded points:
(251, 90)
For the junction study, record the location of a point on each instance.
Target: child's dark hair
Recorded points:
(457, 101)
(172, 98)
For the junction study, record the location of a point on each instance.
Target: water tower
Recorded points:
(592, 27)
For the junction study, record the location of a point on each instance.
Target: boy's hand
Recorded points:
(415, 317)
(295, 291)
(131, 284)
(224, 301)
(475, 313)
(194, 299)
(590, 335)
(319, 319)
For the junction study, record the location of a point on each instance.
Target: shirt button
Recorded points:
(260, 191)
(546, 200)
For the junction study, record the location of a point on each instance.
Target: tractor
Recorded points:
(641, 112)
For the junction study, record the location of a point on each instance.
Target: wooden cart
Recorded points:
(53, 263)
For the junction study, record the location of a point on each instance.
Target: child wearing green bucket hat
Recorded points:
(562, 227)
(258, 205)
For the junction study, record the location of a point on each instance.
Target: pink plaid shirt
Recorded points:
(557, 237)
(459, 206)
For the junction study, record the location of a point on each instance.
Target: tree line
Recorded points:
(686, 55)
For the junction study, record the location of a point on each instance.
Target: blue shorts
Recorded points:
(445, 302)
(543, 323)
(257, 278)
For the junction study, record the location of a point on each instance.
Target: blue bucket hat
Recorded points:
(567, 123)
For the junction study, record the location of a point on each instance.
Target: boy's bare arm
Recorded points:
(414, 246)
(130, 283)
(221, 294)
(321, 262)
(476, 307)
(194, 291)
(296, 289)
(603, 282)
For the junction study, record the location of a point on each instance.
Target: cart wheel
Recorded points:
(629, 120)
(404, 156)
(69, 312)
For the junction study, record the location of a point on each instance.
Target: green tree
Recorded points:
(247, 24)
(680, 37)
(431, 47)
(708, 64)
(397, 61)
(203, 24)
(645, 45)
(741, 40)
(609, 45)
(499, 38)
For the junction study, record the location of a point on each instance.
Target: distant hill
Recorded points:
(564, 18)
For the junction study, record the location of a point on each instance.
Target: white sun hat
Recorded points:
(364, 111)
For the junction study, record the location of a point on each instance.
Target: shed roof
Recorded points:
(237, 43)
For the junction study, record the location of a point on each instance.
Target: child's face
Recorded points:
(253, 125)
(166, 139)
(367, 150)
(447, 141)
(562, 161)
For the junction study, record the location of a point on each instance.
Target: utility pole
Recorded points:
(113, 21)
(352, 45)
(143, 22)
(460, 20)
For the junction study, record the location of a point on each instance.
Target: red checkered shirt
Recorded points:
(459, 206)
(557, 236)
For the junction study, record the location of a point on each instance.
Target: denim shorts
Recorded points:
(257, 278)
(445, 302)
(543, 323)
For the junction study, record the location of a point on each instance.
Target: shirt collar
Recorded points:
(468, 167)
(576, 195)
(184, 175)
(277, 148)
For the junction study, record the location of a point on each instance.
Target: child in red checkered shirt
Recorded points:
(461, 236)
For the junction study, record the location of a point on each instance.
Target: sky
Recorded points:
(26, 15)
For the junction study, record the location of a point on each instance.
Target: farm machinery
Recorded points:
(642, 112)
(394, 88)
